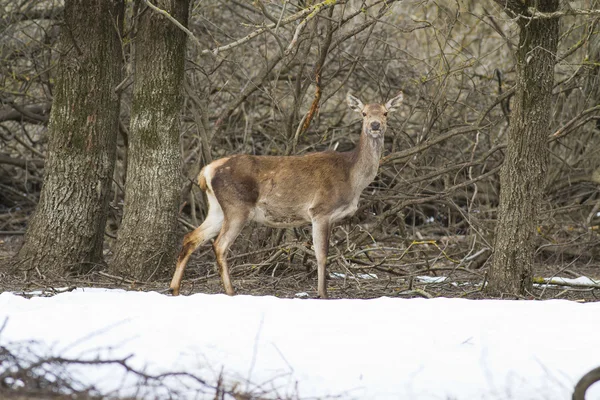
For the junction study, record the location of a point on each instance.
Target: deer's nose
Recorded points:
(375, 125)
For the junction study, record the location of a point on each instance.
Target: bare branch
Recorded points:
(174, 21)
(310, 12)
(535, 14)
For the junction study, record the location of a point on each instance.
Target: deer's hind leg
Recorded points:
(208, 230)
(232, 226)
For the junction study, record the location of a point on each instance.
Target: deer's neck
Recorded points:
(366, 160)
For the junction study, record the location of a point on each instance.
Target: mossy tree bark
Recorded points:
(526, 161)
(148, 239)
(65, 235)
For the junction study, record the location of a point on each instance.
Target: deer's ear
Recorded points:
(394, 103)
(354, 103)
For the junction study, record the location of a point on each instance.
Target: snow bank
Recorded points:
(366, 349)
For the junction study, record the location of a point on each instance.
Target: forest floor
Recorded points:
(292, 278)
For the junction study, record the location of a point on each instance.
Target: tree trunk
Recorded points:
(65, 235)
(526, 161)
(148, 240)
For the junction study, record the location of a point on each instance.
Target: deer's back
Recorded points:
(283, 191)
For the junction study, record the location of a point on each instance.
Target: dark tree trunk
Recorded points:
(524, 170)
(65, 234)
(148, 240)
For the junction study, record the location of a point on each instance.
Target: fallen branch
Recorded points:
(585, 382)
(562, 282)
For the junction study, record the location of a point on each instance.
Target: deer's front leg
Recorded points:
(321, 232)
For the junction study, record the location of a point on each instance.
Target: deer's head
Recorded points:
(374, 115)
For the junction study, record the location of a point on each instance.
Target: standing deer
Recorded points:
(290, 191)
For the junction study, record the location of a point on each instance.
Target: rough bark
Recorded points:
(148, 240)
(526, 161)
(66, 233)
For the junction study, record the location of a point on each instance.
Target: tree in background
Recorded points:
(524, 171)
(66, 233)
(147, 241)
(270, 77)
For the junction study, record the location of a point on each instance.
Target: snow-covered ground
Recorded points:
(384, 348)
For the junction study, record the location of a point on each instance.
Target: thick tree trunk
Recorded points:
(148, 241)
(524, 170)
(66, 233)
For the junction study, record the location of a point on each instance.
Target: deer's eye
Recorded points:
(364, 114)
(385, 114)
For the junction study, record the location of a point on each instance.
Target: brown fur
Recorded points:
(317, 188)
(202, 181)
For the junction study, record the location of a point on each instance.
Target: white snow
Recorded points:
(385, 348)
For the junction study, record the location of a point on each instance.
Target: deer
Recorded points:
(319, 188)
